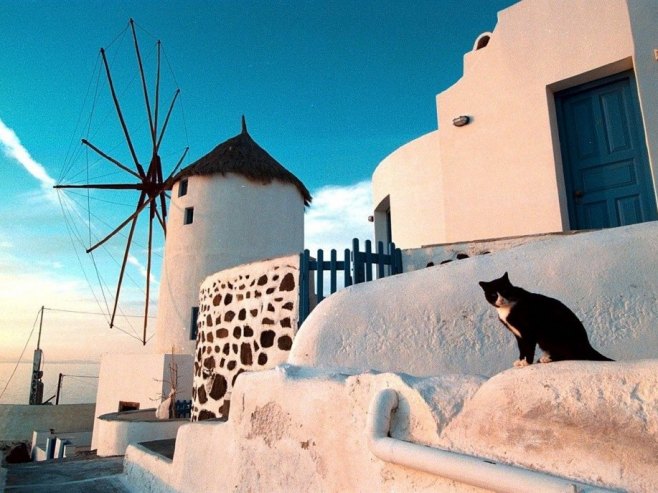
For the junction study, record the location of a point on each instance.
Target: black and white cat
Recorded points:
(535, 319)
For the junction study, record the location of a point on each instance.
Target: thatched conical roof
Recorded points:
(243, 156)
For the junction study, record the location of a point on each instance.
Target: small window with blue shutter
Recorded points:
(193, 322)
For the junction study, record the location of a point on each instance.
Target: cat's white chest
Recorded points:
(503, 313)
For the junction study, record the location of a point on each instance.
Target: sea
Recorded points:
(79, 382)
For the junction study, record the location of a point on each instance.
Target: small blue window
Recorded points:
(193, 322)
(182, 188)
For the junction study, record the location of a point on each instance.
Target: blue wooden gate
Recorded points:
(355, 267)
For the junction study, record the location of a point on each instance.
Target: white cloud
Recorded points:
(132, 260)
(337, 215)
(12, 148)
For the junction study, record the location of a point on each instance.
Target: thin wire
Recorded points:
(21, 356)
(69, 152)
(124, 204)
(100, 282)
(84, 272)
(173, 74)
(121, 34)
(139, 26)
(87, 313)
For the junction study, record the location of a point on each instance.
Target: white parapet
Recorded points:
(304, 429)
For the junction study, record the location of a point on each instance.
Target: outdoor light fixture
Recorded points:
(462, 120)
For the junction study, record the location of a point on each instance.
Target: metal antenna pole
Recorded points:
(36, 385)
(59, 388)
(40, 325)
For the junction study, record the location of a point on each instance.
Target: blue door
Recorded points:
(606, 166)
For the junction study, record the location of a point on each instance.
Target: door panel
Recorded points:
(606, 166)
(616, 122)
(606, 176)
(629, 209)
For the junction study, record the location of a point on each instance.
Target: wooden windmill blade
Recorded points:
(149, 184)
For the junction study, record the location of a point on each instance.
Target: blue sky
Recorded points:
(328, 88)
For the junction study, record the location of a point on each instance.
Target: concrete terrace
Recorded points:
(80, 474)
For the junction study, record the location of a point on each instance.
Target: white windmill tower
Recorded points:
(235, 205)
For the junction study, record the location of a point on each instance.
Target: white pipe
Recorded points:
(451, 465)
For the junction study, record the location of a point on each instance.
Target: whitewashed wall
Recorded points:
(304, 429)
(141, 378)
(435, 321)
(501, 175)
(236, 221)
(405, 178)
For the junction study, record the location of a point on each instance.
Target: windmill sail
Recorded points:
(147, 184)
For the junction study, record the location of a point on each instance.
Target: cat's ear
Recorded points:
(505, 277)
(483, 285)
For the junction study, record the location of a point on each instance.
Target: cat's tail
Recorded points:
(594, 355)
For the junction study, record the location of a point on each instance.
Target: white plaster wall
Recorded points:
(419, 258)
(236, 221)
(140, 378)
(301, 428)
(502, 173)
(297, 429)
(115, 435)
(595, 422)
(404, 176)
(436, 320)
(77, 440)
(644, 18)
(590, 422)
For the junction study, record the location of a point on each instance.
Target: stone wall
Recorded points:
(248, 316)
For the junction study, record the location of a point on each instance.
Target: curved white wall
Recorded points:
(236, 221)
(405, 177)
(116, 431)
(436, 321)
(501, 175)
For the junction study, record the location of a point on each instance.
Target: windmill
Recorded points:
(146, 180)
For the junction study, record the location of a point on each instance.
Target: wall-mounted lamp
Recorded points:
(462, 120)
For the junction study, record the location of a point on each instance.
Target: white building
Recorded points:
(559, 131)
(233, 206)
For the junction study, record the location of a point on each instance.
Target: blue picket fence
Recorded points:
(356, 266)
